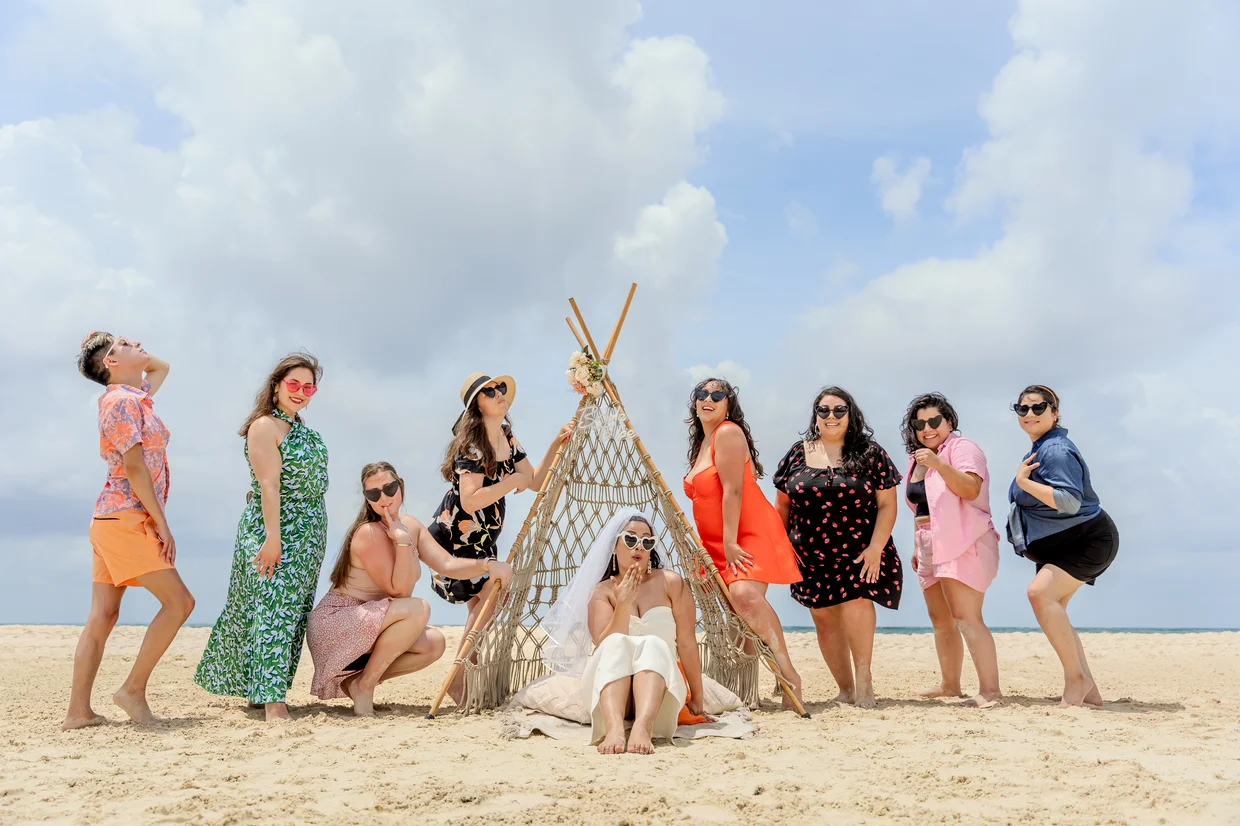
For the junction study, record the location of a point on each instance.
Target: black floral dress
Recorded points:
(831, 522)
(471, 535)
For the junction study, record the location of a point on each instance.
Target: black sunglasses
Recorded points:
(501, 388)
(632, 540)
(389, 489)
(715, 396)
(1024, 409)
(933, 422)
(824, 412)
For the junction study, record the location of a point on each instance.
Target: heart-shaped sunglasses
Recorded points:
(1024, 409)
(921, 424)
(632, 540)
(389, 489)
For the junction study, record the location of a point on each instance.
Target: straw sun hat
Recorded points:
(474, 383)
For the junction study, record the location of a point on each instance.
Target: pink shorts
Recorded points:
(976, 567)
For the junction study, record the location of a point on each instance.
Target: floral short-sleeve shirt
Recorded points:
(126, 418)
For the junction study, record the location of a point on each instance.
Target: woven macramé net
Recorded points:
(596, 475)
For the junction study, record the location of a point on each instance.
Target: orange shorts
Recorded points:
(125, 547)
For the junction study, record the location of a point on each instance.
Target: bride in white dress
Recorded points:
(639, 617)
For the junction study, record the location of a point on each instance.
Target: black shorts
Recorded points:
(1083, 551)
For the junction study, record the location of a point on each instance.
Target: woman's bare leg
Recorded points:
(403, 624)
(947, 643)
(475, 620)
(834, 648)
(614, 701)
(858, 619)
(427, 649)
(1048, 595)
(749, 599)
(175, 605)
(648, 690)
(966, 610)
(105, 607)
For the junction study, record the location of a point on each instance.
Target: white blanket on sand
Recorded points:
(520, 723)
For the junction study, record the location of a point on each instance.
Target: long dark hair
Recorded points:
(613, 569)
(265, 401)
(340, 573)
(925, 400)
(735, 415)
(470, 432)
(860, 449)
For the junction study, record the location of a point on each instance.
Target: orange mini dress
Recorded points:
(760, 533)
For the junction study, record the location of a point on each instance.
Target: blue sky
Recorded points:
(894, 196)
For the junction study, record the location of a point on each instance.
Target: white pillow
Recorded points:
(560, 696)
(556, 694)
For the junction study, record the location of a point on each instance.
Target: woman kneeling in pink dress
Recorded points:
(368, 628)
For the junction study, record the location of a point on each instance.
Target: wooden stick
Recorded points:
(772, 666)
(589, 338)
(615, 334)
(467, 646)
(580, 341)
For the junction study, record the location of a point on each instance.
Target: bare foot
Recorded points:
(1075, 691)
(796, 692)
(865, 695)
(363, 699)
(1093, 697)
(847, 697)
(983, 701)
(941, 691)
(612, 743)
(639, 740)
(76, 721)
(277, 712)
(457, 689)
(135, 706)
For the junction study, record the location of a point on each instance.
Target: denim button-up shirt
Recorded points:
(1062, 467)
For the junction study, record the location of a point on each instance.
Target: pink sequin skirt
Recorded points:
(339, 631)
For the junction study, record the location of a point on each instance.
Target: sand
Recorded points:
(1164, 750)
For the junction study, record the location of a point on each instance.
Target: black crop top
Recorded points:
(916, 493)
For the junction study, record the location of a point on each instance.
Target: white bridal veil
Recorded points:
(566, 625)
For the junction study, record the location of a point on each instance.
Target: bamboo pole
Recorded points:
(771, 665)
(589, 338)
(615, 333)
(472, 633)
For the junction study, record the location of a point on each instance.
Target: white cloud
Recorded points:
(730, 371)
(1108, 280)
(801, 220)
(405, 192)
(899, 191)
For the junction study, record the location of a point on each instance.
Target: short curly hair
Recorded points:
(90, 361)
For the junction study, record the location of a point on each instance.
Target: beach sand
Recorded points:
(1164, 750)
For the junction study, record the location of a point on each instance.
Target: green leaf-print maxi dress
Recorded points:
(256, 642)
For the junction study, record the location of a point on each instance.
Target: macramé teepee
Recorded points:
(602, 468)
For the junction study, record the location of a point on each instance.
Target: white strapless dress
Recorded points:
(650, 645)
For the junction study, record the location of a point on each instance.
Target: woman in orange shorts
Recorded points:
(738, 526)
(129, 535)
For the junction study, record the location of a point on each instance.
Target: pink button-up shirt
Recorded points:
(954, 523)
(127, 418)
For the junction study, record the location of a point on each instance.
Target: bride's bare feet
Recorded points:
(1075, 691)
(940, 692)
(277, 712)
(1093, 697)
(639, 740)
(613, 743)
(134, 704)
(76, 721)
